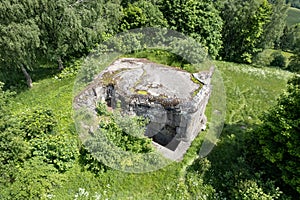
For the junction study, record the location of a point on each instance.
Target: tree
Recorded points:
(69, 27)
(31, 31)
(289, 38)
(19, 36)
(199, 19)
(18, 44)
(244, 23)
(142, 14)
(294, 64)
(273, 30)
(279, 137)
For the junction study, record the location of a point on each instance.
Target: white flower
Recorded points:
(97, 196)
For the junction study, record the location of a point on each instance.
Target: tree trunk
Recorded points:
(60, 64)
(28, 78)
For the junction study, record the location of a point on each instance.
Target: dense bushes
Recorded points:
(279, 136)
(34, 180)
(58, 150)
(294, 64)
(231, 172)
(89, 162)
(32, 152)
(125, 132)
(37, 123)
(13, 149)
(278, 60)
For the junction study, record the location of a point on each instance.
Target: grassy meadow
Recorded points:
(293, 16)
(249, 92)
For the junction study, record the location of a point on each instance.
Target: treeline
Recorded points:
(294, 3)
(34, 32)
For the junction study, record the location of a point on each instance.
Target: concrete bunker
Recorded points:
(173, 100)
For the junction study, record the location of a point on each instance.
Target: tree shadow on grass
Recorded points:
(15, 80)
(235, 163)
(43, 73)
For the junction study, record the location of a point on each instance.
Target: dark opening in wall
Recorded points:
(165, 136)
(110, 96)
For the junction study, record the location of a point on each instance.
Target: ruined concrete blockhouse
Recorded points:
(173, 100)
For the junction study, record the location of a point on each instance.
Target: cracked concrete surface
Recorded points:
(167, 96)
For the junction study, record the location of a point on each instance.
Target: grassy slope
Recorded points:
(49, 93)
(249, 92)
(293, 16)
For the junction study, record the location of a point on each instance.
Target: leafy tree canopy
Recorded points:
(142, 14)
(273, 30)
(279, 136)
(53, 30)
(294, 64)
(244, 23)
(289, 38)
(199, 19)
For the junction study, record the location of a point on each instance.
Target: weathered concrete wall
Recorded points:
(173, 103)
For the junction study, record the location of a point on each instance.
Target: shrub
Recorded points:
(101, 109)
(194, 180)
(279, 137)
(13, 149)
(249, 190)
(125, 132)
(13, 152)
(90, 163)
(35, 180)
(37, 123)
(4, 103)
(278, 60)
(58, 150)
(70, 71)
(37, 128)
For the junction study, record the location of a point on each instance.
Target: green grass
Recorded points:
(293, 16)
(160, 56)
(49, 93)
(249, 91)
